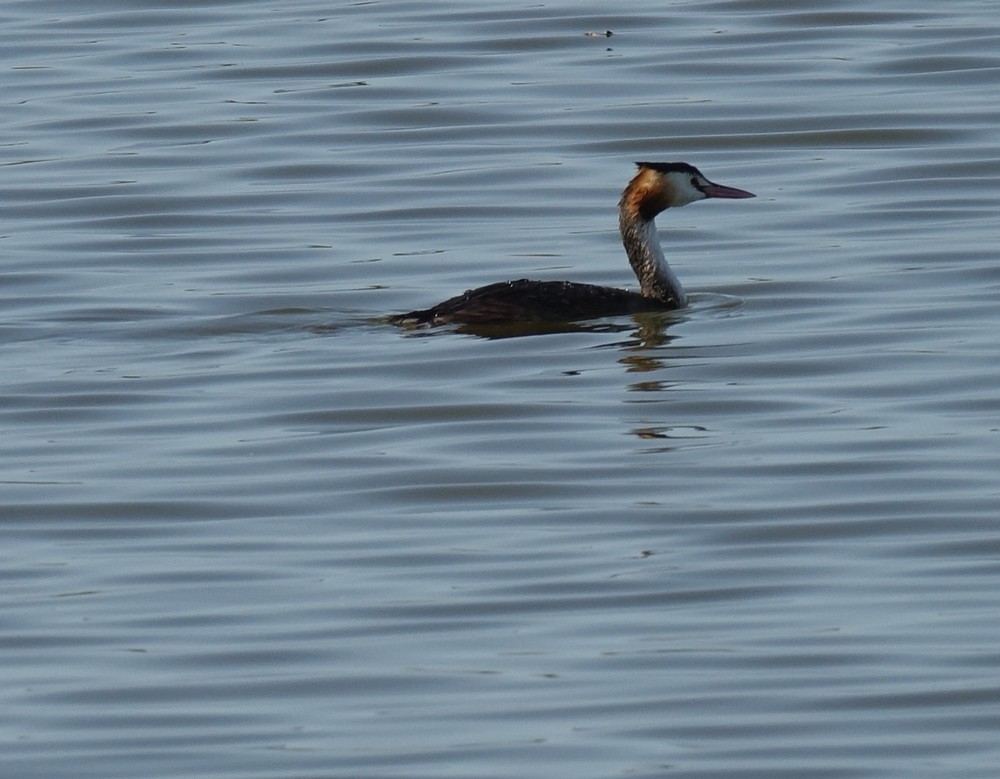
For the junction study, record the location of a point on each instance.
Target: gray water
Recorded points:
(251, 531)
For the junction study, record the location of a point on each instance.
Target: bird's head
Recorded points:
(661, 185)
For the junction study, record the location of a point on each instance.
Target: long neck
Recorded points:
(642, 244)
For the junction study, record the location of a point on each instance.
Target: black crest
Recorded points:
(671, 167)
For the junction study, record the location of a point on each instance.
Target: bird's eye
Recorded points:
(694, 182)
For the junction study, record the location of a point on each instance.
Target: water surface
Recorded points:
(252, 531)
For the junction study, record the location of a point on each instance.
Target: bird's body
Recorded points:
(655, 187)
(535, 301)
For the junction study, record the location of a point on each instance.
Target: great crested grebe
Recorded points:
(655, 187)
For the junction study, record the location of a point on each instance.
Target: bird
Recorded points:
(655, 187)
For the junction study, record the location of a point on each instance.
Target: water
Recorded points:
(251, 531)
